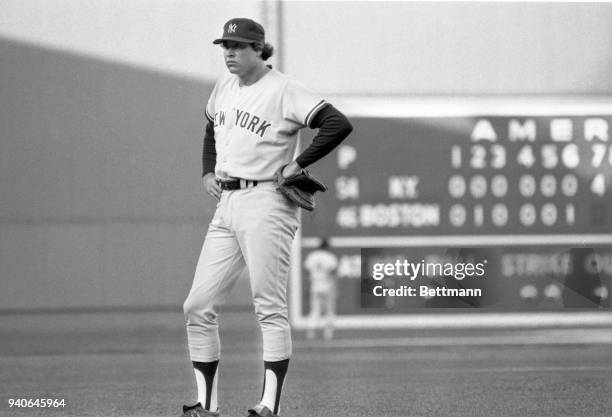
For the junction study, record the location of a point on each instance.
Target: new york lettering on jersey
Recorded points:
(245, 120)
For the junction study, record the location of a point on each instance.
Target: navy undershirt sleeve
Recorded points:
(333, 127)
(209, 152)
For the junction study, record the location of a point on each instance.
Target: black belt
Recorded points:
(236, 184)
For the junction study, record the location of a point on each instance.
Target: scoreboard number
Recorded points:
(550, 159)
(598, 185)
(499, 186)
(569, 185)
(526, 157)
(570, 156)
(527, 185)
(599, 153)
(478, 160)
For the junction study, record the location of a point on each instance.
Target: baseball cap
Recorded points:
(242, 30)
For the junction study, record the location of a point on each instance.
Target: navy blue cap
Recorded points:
(242, 30)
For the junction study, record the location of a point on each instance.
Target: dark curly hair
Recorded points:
(266, 49)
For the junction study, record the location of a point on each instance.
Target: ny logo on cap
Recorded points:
(231, 28)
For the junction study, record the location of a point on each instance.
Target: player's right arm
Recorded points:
(209, 150)
(209, 160)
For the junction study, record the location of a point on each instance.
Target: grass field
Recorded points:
(136, 364)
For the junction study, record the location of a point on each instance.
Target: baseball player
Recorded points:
(254, 114)
(321, 265)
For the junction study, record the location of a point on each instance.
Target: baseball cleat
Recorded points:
(261, 411)
(197, 411)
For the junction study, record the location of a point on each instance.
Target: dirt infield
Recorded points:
(135, 364)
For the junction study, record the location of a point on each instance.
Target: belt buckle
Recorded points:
(235, 183)
(224, 184)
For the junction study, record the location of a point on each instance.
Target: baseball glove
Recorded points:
(299, 188)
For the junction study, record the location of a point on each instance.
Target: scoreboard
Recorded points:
(496, 176)
(481, 175)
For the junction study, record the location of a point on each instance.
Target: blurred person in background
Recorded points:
(322, 264)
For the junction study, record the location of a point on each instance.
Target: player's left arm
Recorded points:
(333, 127)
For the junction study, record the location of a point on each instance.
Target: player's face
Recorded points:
(240, 58)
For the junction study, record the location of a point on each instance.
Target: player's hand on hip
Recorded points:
(291, 168)
(210, 185)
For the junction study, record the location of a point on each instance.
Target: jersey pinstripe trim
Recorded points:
(311, 114)
(208, 116)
